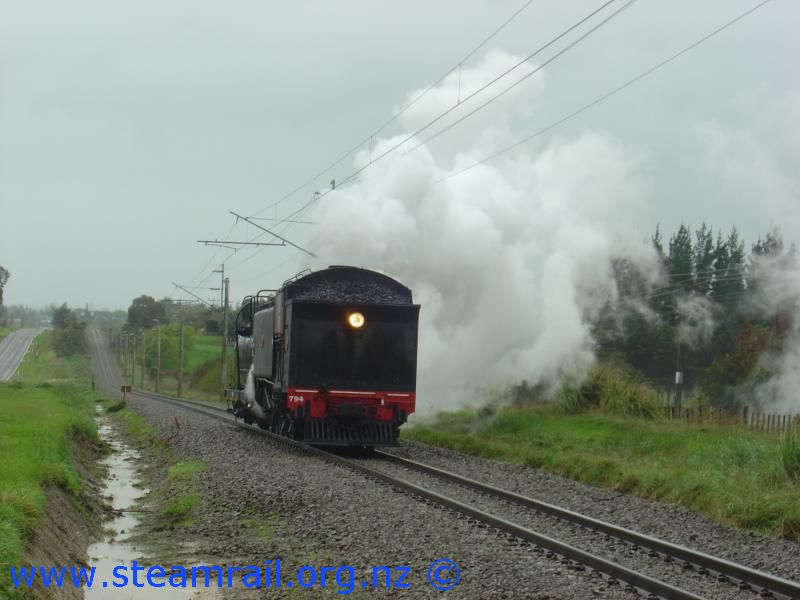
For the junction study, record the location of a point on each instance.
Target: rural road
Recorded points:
(105, 367)
(12, 348)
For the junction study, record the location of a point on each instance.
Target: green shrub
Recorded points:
(612, 387)
(570, 399)
(116, 407)
(70, 340)
(180, 506)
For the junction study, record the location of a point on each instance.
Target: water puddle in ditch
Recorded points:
(121, 488)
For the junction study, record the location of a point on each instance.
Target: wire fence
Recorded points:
(744, 417)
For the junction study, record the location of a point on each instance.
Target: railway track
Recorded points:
(372, 466)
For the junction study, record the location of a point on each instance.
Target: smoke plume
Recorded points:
(510, 259)
(778, 296)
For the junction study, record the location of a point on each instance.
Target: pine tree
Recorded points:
(763, 252)
(658, 244)
(703, 259)
(722, 261)
(730, 284)
(681, 257)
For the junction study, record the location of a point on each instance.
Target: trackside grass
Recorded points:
(50, 408)
(744, 478)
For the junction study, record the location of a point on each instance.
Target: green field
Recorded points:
(740, 477)
(206, 347)
(36, 452)
(201, 368)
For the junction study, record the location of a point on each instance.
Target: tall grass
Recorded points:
(790, 453)
(611, 387)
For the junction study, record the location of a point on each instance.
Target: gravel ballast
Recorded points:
(614, 550)
(672, 523)
(324, 515)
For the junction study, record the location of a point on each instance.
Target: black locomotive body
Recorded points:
(329, 358)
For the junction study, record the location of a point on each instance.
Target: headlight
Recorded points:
(355, 320)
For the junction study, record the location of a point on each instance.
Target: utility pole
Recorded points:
(221, 272)
(180, 359)
(222, 284)
(678, 370)
(225, 284)
(124, 355)
(133, 362)
(158, 354)
(144, 357)
(678, 378)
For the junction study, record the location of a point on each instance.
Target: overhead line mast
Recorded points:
(191, 293)
(272, 233)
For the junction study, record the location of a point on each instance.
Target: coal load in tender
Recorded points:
(349, 291)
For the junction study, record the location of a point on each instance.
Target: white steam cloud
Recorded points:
(779, 296)
(697, 324)
(510, 259)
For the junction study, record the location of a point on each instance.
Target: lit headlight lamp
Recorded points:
(355, 320)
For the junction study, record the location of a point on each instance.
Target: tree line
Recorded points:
(69, 335)
(4, 277)
(700, 312)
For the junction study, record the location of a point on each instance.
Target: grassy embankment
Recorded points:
(44, 413)
(745, 478)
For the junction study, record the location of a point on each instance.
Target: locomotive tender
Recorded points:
(329, 358)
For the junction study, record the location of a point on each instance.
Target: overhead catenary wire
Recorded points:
(605, 96)
(560, 121)
(357, 172)
(400, 112)
(405, 108)
(556, 123)
(537, 69)
(508, 71)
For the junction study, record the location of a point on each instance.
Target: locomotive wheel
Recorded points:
(287, 426)
(274, 422)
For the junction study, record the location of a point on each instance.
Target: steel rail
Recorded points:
(615, 572)
(730, 569)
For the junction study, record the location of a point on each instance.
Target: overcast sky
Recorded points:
(128, 130)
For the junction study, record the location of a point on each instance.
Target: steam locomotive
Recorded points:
(330, 358)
